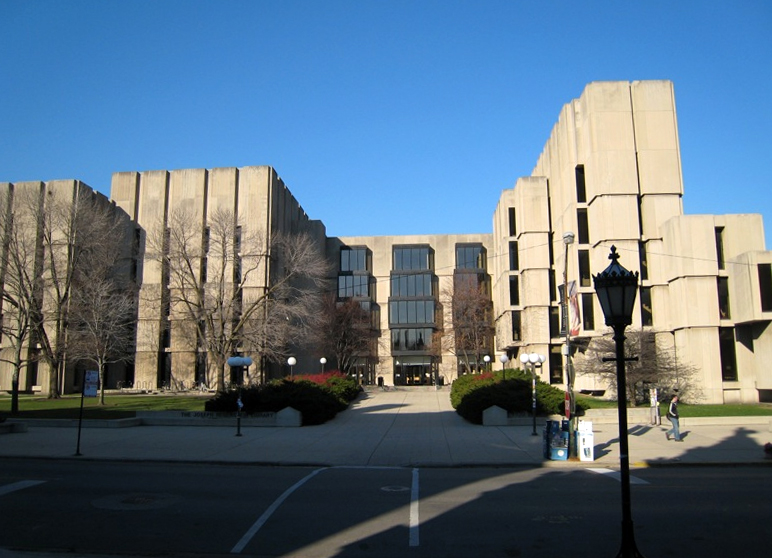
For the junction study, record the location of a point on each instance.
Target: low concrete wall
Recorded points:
(287, 417)
(496, 416)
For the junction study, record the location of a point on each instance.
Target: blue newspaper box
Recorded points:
(556, 440)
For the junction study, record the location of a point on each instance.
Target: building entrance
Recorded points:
(414, 371)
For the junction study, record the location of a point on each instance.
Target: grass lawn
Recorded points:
(761, 409)
(116, 406)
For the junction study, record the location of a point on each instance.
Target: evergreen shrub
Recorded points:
(318, 397)
(471, 394)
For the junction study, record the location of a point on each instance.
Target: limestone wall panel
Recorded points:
(656, 209)
(700, 348)
(613, 218)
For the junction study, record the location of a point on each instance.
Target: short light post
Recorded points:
(504, 360)
(487, 360)
(616, 288)
(534, 360)
(322, 362)
(292, 361)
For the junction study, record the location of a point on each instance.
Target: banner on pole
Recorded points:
(90, 383)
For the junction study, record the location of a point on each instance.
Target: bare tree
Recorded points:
(77, 230)
(232, 290)
(18, 262)
(655, 364)
(102, 317)
(470, 336)
(345, 331)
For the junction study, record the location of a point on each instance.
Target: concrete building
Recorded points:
(609, 174)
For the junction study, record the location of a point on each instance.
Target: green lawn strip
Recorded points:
(115, 407)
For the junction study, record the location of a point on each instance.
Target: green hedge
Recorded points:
(471, 394)
(318, 399)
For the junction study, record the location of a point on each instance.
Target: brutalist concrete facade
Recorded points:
(610, 173)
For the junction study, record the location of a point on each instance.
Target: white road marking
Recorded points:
(272, 508)
(414, 518)
(616, 475)
(21, 485)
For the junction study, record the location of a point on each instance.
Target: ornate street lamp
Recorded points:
(616, 288)
(535, 360)
(244, 363)
(504, 360)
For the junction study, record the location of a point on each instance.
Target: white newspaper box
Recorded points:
(585, 441)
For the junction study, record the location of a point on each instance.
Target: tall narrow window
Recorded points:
(516, 335)
(765, 286)
(553, 286)
(584, 268)
(514, 262)
(644, 261)
(647, 316)
(512, 222)
(720, 246)
(728, 355)
(723, 298)
(556, 365)
(583, 227)
(514, 290)
(588, 312)
(554, 322)
(581, 189)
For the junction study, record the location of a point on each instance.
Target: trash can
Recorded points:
(585, 441)
(556, 439)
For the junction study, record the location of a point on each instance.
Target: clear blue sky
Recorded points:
(382, 117)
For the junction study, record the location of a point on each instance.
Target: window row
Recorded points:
(411, 339)
(411, 312)
(355, 259)
(417, 284)
(413, 258)
(354, 286)
(471, 256)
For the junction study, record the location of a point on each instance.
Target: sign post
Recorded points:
(90, 387)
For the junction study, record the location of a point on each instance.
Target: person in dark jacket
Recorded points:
(672, 416)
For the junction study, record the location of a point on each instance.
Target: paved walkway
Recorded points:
(388, 428)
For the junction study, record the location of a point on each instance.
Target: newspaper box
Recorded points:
(585, 441)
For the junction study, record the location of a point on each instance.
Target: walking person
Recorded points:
(672, 416)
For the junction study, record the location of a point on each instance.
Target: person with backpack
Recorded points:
(672, 416)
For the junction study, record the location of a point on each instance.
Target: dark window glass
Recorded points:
(584, 268)
(554, 322)
(512, 222)
(412, 258)
(644, 261)
(647, 316)
(583, 226)
(553, 286)
(765, 286)
(514, 290)
(581, 189)
(728, 355)
(470, 257)
(720, 246)
(556, 365)
(419, 284)
(353, 259)
(402, 312)
(514, 262)
(516, 334)
(588, 312)
(723, 298)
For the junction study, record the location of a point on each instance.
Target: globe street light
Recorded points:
(504, 360)
(487, 360)
(534, 360)
(322, 361)
(616, 288)
(292, 361)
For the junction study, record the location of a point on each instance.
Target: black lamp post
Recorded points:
(616, 288)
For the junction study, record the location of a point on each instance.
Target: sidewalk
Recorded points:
(388, 428)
